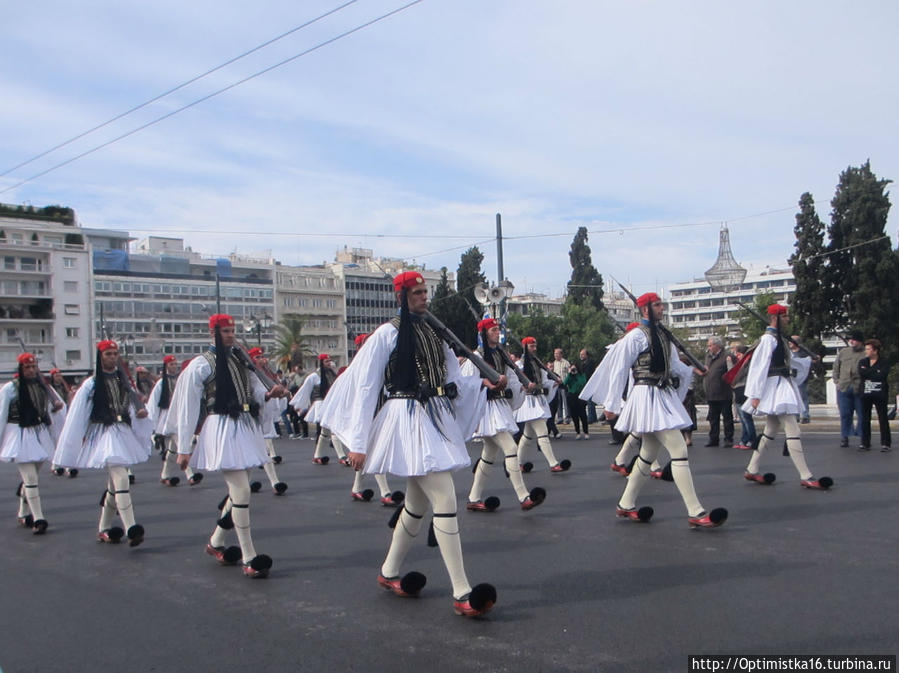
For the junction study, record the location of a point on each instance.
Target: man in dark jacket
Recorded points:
(718, 394)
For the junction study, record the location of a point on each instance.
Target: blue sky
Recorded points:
(626, 118)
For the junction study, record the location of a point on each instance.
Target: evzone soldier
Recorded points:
(595, 391)
(358, 493)
(270, 413)
(309, 399)
(158, 410)
(65, 392)
(107, 427)
(419, 433)
(219, 399)
(29, 415)
(771, 391)
(496, 427)
(534, 411)
(654, 411)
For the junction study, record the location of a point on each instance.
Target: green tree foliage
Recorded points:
(862, 267)
(290, 348)
(576, 328)
(814, 301)
(751, 327)
(468, 276)
(585, 286)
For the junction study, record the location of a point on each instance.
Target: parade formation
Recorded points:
(406, 406)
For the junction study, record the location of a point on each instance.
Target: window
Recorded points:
(73, 309)
(9, 263)
(71, 332)
(70, 285)
(28, 264)
(73, 355)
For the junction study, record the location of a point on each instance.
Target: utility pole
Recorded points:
(500, 275)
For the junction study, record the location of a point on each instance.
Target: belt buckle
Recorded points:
(118, 418)
(246, 407)
(440, 391)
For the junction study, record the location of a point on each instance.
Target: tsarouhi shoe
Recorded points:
(564, 466)
(395, 499)
(226, 556)
(171, 481)
(764, 479)
(196, 478)
(407, 586)
(620, 469)
(40, 526)
(821, 484)
(488, 505)
(642, 515)
(258, 568)
(321, 461)
(279, 488)
(26, 521)
(111, 535)
(135, 535)
(362, 496)
(711, 519)
(479, 602)
(533, 499)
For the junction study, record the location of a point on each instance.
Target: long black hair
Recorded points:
(102, 411)
(29, 414)
(404, 373)
(226, 401)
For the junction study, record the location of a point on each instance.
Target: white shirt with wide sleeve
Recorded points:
(777, 395)
(406, 438)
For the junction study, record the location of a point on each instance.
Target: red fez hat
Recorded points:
(407, 279)
(168, 358)
(631, 326)
(359, 340)
(776, 309)
(255, 352)
(106, 345)
(528, 340)
(647, 299)
(26, 359)
(487, 323)
(323, 356)
(53, 371)
(221, 320)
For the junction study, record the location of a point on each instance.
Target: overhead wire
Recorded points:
(175, 88)
(212, 95)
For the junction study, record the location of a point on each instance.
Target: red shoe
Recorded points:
(26, 521)
(407, 586)
(111, 535)
(362, 496)
(620, 469)
(258, 568)
(488, 505)
(764, 479)
(642, 515)
(656, 474)
(711, 519)
(564, 466)
(226, 556)
(196, 479)
(344, 461)
(478, 602)
(821, 484)
(320, 461)
(534, 498)
(394, 499)
(171, 481)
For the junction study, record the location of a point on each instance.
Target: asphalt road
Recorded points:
(791, 572)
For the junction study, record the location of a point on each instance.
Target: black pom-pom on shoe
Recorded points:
(259, 567)
(255, 486)
(279, 488)
(276, 460)
(195, 479)
(40, 526)
(413, 582)
(73, 472)
(527, 467)
(135, 535)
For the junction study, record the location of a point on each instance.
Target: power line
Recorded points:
(176, 88)
(213, 94)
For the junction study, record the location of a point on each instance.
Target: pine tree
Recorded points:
(813, 304)
(585, 286)
(862, 267)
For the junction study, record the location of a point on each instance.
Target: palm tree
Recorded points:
(289, 345)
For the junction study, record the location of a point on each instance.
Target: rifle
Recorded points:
(673, 339)
(136, 397)
(51, 392)
(814, 356)
(549, 372)
(241, 352)
(504, 354)
(489, 372)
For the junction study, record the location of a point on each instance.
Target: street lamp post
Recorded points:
(254, 324)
